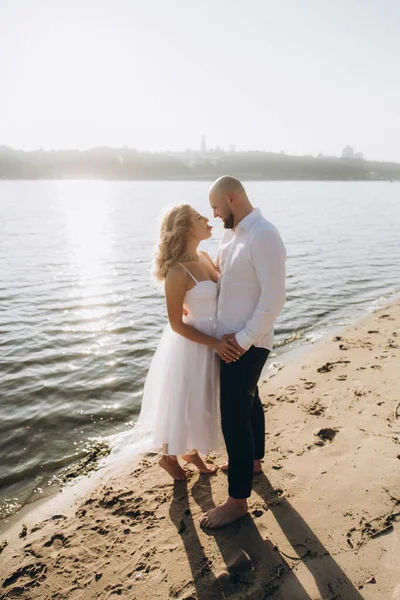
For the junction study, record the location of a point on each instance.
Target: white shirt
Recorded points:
(252, 286)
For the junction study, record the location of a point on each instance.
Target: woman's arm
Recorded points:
(175, 290)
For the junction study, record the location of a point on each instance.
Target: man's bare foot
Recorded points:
(224, 514)
(257, 467)
(197, 461)
(172, 467)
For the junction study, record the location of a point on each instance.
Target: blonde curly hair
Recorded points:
(173, 239)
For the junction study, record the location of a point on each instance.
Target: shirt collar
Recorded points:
(249, 219)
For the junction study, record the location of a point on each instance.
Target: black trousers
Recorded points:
(242, 415)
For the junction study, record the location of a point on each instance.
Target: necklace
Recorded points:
(190, 258)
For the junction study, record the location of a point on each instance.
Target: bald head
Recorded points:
(229, 201)
(227, 185)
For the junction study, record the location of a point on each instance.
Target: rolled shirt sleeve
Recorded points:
(268, 257)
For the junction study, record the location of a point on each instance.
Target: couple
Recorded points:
(205, 371)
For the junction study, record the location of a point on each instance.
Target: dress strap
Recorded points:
(203, 257)
(188, 272)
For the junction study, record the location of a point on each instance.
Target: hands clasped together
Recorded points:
(228, 349)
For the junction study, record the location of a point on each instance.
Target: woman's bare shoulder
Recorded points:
(176, 272)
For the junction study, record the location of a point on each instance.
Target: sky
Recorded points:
(303, 77)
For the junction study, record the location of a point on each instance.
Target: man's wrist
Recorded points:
(243, 340)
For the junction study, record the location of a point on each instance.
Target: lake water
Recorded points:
(80, 315)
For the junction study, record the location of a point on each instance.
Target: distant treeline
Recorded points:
(128, 164)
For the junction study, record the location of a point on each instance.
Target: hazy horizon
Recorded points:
(303, 78)
(211, 151)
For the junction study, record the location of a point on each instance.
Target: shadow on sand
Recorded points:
(254, 567)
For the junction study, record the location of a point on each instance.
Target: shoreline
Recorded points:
(280, 357)
(323, 517)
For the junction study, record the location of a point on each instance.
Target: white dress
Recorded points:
(180, 407)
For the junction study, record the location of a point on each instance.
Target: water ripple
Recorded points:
(80, 316)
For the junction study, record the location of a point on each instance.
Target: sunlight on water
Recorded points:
(86, 218)
(81, 316)
(86, 208)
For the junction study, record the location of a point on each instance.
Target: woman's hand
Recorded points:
(226, 350)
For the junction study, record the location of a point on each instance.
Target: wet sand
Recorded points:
(324, 520)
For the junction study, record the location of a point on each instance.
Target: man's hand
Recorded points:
(226, 350)
(232, 340)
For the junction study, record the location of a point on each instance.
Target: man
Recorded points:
(251, 257)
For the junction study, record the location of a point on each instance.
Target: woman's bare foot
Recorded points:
(172, 467)
(224, 514)
(256, 471)
(197, 461)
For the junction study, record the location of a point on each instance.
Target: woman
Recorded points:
(180, 408)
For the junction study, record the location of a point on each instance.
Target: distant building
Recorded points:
(232, 148)
(348, 152)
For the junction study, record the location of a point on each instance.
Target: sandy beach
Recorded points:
(324, 519)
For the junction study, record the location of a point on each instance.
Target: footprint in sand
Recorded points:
(315, 408)
(325, 434)
(392, 344)
(33, 550)
(115, 590)
(388, 317)
(144, 565)
(233, 581)
(24, 532)
(309, 385)
(111, 499)
(124, 504)
(57, 541)
(3, 545)
(289, 399)
(26, 577)
(292, 388)
(327, 367)
(101, 530)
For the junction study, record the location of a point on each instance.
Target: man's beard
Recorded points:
(229, 221)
